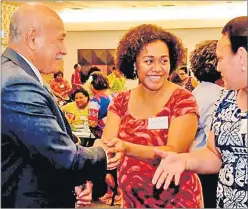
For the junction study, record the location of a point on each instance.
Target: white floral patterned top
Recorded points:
(230, 129)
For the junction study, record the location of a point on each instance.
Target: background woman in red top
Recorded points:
(157, 113)
(60, 87)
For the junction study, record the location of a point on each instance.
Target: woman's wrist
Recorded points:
(185, 157)
(125, 147)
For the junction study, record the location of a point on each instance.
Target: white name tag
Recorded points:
(243, 127)
(158, 123)
(62, 86)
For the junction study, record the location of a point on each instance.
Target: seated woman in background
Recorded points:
(77, 112)
(98, 108)
(187, 81)
(60, 87)
(157, 113)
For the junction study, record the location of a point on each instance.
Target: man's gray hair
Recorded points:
(15, 28)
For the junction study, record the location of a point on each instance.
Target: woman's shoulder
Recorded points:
(182, 96)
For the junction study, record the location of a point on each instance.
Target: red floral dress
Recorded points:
(135, 175)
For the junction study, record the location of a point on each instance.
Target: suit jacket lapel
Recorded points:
(18, 60)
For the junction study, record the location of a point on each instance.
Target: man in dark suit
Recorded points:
(41, 166)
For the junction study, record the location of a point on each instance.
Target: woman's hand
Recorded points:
(116, 150)
(172, 165)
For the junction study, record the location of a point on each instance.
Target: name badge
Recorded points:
(62, 86)
(158, 123)
(243, 126)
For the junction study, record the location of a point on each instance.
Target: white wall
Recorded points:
(109, 40)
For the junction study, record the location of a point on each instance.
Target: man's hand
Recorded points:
(83, 195)
(171, 166)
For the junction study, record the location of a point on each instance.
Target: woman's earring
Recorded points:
(243, 69)
(134, 70)
(134, 67)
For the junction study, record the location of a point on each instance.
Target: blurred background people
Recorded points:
(187, 81)
(60, 87)
(154, 114)
(203, 63)
(98, 108)
(175, 78)
(116, 80)
(226, 152)
(86, 85)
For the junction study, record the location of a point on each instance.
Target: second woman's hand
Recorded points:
(171, 166)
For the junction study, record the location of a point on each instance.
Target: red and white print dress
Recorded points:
(135, 175)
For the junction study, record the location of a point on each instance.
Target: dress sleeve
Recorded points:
(119, 104)
(183, 102)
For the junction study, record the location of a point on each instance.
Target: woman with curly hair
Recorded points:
(203, 63)
(226, 152)
(157, 113)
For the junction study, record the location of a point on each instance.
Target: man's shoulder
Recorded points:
(12, 73)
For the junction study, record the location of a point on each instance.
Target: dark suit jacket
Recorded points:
(40, 163)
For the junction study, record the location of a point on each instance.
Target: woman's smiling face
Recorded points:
(153, 65)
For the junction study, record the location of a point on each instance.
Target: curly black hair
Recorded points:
(203, 61)
(136, 38)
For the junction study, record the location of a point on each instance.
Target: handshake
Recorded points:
(115, 149)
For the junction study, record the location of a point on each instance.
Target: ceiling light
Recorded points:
(76, 8)
(168, 5)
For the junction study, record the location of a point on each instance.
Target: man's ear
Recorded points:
(30, 37)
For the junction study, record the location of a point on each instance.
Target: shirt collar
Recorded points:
(36, 71)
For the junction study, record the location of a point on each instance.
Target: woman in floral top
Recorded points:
(226, 152)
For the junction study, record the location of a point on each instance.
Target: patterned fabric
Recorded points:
(61, 88)
(98, 107)
(135, 176)
(117, 84)
(230, 129)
